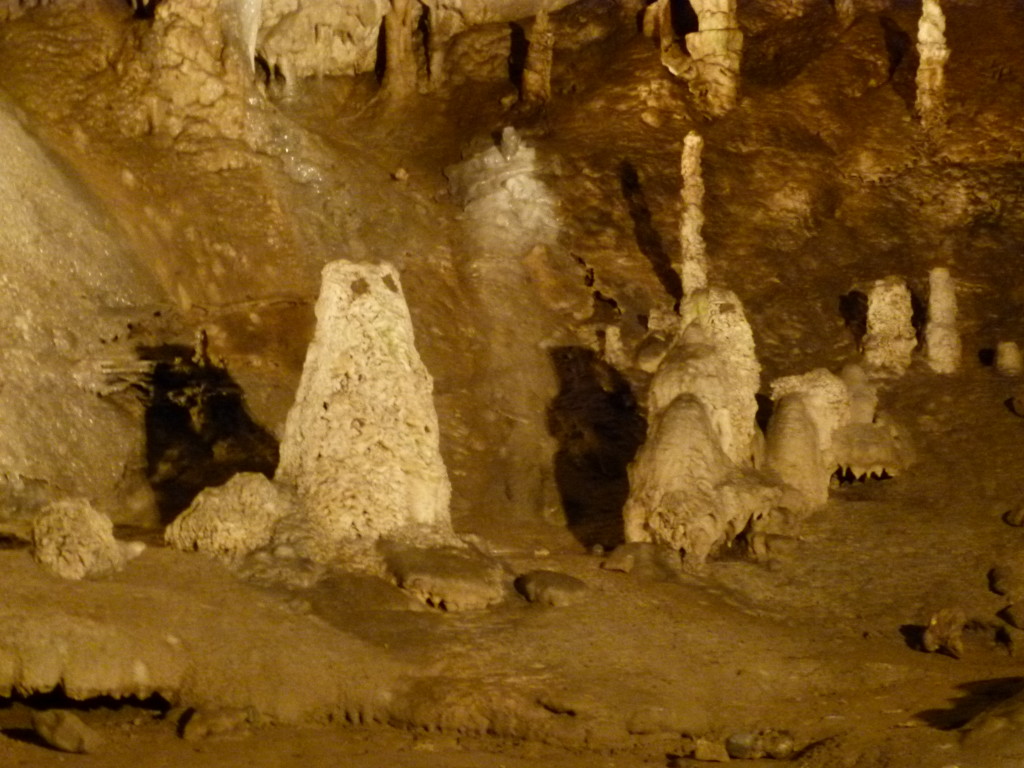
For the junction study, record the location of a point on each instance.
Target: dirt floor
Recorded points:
(820, 181)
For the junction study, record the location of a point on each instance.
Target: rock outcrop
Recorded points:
(72, 540)
(232, 520)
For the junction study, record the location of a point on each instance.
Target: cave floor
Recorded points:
(822, 640)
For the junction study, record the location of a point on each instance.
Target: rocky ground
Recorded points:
(819, 181)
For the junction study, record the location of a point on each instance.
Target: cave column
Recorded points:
(400, 72)
(536, 86)
(931, 72)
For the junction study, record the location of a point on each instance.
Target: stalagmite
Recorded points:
(890, 337)
(808, 410)
(684, 491)
(931, 72)
(361, 441)
(693, 485)
(716, 49)
(942, 339)
(692, 268)
(714, 359)
(1009, 361)
(536, 85)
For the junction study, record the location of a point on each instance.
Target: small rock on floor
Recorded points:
(550, 587)
(65, 731)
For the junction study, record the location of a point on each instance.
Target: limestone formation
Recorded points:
(448, 18)
(823, 424)
(692, 268)
(890, 337)
(536, 85)
(714, 359)
(64, 271)
(231, 520)
(809, 409)
(931, 71)
(863, 394)
(794, 454)
(942, 338)
(72, 540)
(318, 37)
(877, 450)
(361, 441)
(400, 59)
(1009, 360)
(685, 492)
(716, 49)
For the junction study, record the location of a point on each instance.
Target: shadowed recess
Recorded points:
(599, 428)
(198, 430)
(647, 237)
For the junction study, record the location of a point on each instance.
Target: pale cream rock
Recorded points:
(827, 398)
(231, 520)
(863, 394)
(714, 359)
(1009, 361)
(809, 408)
(72, 540)
(685, 493)
(942, 338)
(794, 454)
(693, 267)
(361, 442)
(890, 337)
(931, 71)
(305, 38)
(717, 49)
(872, 450)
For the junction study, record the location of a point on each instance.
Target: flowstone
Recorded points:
(685, 492)
(361, 441)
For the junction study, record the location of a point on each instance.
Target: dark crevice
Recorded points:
(647, 237)
(598, 426)
(853, 308)
(518, 47)
(198, 430)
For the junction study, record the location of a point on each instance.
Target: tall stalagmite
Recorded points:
(361, 441)
(692, 268)
(931, 72)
